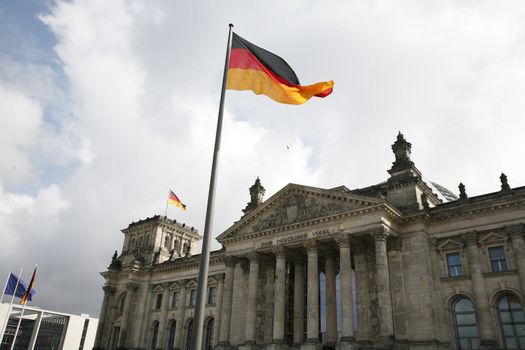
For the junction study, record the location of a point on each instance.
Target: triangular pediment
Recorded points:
(492, 237)
(295, 204)
(450, 244)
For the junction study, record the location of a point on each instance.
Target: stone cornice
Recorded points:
(392, 213)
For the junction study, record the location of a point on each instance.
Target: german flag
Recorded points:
(254, 68)
(27, 294)
(174, 200)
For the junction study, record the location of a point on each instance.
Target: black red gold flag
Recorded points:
(254, 68)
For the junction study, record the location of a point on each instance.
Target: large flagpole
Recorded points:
(196, 341)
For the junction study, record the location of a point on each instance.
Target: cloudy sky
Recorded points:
(105, 105)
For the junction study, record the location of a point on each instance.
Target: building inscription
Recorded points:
(295, 238)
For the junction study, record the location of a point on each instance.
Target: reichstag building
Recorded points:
(403, 264)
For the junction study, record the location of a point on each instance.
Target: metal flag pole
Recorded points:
(28, 290)
(6, 321)
(6, 281)
(166, 210)
(196, 341)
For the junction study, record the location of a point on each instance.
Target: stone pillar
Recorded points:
(181, 310)
(251, 302)
(224, 337)
(279, 298)
(108, 293)
(218, 308)
(161, 341)
(331, 306)
(516, 235)
(481, 302)
(384, 297)
(312, 298)
(345, 271)
(123, 337)
(298, 301)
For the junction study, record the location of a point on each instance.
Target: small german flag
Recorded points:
(254, 68)
(174, 200)
(27, 294)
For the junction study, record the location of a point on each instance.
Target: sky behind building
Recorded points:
(105, 105)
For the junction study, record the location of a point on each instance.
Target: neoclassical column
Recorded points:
(384, 297)
(279, 298)
(224, 338)
(108, 293)
(481, 301)
(298, 301)
(331, 307)
(312, 297)
(163, 317)
(518, 244)
(251, 302)
(218, 308)
(181, 310)
(345, 272)
(131, 287)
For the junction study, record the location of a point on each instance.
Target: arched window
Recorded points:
(139, 242)
(465, 324)
(188, 334)
(167, 241)
(176, 245)
(171, 335)
(131, 244)
(154, 335)
(512, 321)
(208, 343)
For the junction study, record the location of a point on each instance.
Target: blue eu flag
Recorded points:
(20, 289)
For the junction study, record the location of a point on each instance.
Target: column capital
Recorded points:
(515, 231)
(279, 251)
(109, 290)
(311, 246)
(394, 243)
(470, 238)
(343, 240)
(229, 261)
(379, 233)
(254, 257)
(219, 277)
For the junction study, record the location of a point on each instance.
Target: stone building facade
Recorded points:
(404, 264)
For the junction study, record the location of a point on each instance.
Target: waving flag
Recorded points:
(254, 68)
(174, 200)
(27, 294)
(17, 290)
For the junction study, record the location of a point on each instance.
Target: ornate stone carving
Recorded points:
(343, 241)
(253, 257)
(379, 233)
(470, 238)
(297, 208)
(462, 192)
(229, 261)
(504, 182)
(109, 290)
(394, 243)
(279, 251)
(311, 246)
(424, 201)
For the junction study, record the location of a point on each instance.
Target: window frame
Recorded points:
(499, 261)
(459, 267)
(457, 325)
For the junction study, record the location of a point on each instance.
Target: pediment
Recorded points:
(450, 244)
(295, 204)
(191, 284)
(492, 237)
(158, 289)
(174, 286)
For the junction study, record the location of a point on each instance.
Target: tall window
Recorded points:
(454, 265)
(171, 336)
(512, 321)
(497, 259)
(188, 335)
(122, 303)
(465, 324)
(154, 335)
(158, 301)
(193, 297)
(175, 299)
(208, 344)
(212, 295)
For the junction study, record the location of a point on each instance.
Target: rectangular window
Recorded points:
(193, 297)
(454, 265)
(158, 301)
(175, 299)
(212, 295)
(83, 337)
(497, 259)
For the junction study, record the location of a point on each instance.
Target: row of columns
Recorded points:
(312, 298)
